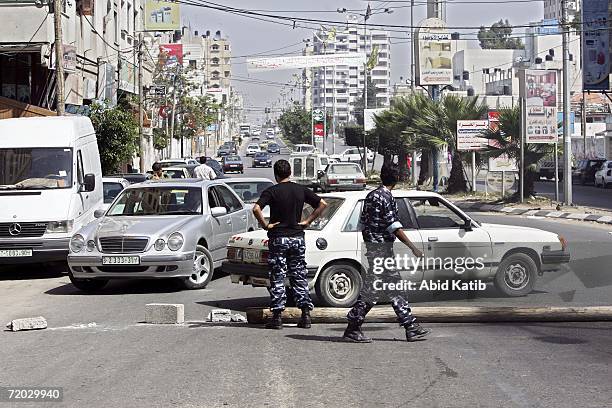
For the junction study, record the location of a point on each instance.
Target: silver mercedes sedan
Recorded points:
(159, 229)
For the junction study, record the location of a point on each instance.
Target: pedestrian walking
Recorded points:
(286, 241)
(381, 226)
(203, 171)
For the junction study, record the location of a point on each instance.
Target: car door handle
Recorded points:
(432, 239)
(229, 221)
(244, 217)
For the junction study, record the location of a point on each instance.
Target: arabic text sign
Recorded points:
(162, 15)
(434, 55)
(305, 61)
(502, 163)
(595, 45)
(469, 134)
(539, 90)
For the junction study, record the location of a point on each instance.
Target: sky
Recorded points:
(251, 36)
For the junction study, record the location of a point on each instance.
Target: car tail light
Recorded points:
(264, 256)
(360, 181)
(333, 181)
(231, 253)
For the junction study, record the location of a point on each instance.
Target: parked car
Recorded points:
(174, 162)
(511, 256)
(273, 148)
(111, 187)
(50, 185)
(603, 176)
(353, 155)
(585, 170)
(262, 159)
(306, 167)
(252, 148)
(232, 163)
(342, 176)
(132, 178)
(159, 229)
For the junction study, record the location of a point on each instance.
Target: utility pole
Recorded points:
(412, 79)
(583, 124)
(143, 145)
(567, 141)
(365, 90)
(59, 59)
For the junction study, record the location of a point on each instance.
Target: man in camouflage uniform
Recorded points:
(381, 226)
(286, 241)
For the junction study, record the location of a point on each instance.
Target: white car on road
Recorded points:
(353, 155)
(511, 257)
(603, 176)
(252, 148)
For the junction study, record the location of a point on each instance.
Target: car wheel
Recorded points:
(338, 285)
(516, 275)
(202, 269)
(87, 285)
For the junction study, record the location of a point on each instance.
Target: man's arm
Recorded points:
(315, 214)
(401, 235)
(261, 219)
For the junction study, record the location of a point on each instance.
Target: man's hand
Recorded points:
(417, 252)
(271, 225)
(401, 235)
(315, 214)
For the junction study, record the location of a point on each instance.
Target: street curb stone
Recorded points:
(29, 323)
(164, 313)
(602, 219)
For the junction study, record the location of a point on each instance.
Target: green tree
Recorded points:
(197, 113)
(499, 36)
(117, 133)
(436, 122)
(296, 124)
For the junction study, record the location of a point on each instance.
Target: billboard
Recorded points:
(127, 76)
(502, 163)
(434, 56)
(305, 61)
(595, 45)
(170, 54)
(539, 91)
(470, 134)
(162, 15)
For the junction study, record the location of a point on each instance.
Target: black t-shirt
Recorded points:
(286, 201)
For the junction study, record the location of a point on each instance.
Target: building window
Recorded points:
(226, 47)
(215, 47)
(215, 61)
(227, 74)
(193, 64)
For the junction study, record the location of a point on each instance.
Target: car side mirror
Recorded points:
(218, 211)
(467, 225)
(89, 182)
(99, 213)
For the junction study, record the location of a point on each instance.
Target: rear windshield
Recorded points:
(343, 169)
(332, 206)
(232, 158)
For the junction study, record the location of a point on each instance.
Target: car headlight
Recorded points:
(77, 242)
(59, 226)
(159, 244)
(91, 245)
(175, 241)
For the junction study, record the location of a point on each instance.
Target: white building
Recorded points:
(337, 88)
(553, 11)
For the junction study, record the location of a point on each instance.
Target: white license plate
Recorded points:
(15, 253)
(120, 260)
(251, 255)
(345, 181)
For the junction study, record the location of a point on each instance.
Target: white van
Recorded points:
(50, 185)
(306, 168)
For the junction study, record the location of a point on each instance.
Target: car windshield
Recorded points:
(35, 168)
(158, 201)
(253, 146)
(249, 191)
(110, 191)
(332, 206)
(343, 169)
(273, 145)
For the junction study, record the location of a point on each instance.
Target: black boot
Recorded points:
(415, 332)
(354, 334)
(275, 322)
(305, 322)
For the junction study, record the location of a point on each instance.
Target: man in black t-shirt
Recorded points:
(286, 241)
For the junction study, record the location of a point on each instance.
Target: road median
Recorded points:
(450, 314)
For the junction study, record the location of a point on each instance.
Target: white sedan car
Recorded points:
(252, 149)
(603, 176)
(510, 256)
(353, 155)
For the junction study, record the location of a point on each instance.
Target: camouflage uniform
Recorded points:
(287, 259)
(379, 218)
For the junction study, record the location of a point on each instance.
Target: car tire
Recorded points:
(338, 285)
(516, 275)
(202, 269)
(87, 285)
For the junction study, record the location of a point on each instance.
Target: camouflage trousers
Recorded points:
(370, 296)
(286, 259)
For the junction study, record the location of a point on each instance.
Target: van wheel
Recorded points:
(338, 285)
(516, 275)
(202, 272)
(87, 285)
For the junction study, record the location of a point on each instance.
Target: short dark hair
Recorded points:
(389, 175)
(202, 159)
(157, 166)
(282, 169)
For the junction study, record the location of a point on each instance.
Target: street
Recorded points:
(100, 352)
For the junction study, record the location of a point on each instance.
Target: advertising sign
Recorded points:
(170, 54)
(70, 58)
(539, 90)
(469, 135)
(305, 61)
(502, 163)
(162, 15)
(157, 90)
(434, 65)
(127, 77)
(560, 123)
(595, 45)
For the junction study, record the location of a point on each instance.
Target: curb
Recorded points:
(601, 219)
(448, 314)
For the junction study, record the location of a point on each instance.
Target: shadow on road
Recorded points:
(33, 271)
(238, 304)
(330, 339)
(122, 287)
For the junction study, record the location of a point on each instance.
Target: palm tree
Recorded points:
(437, 123)
(506, 139)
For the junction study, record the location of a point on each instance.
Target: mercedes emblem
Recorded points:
(14, 229)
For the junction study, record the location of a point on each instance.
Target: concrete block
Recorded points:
(220, 316)
(577, 216)
(606, 219)
(29, 323)
(238, 318)
(164, 313)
